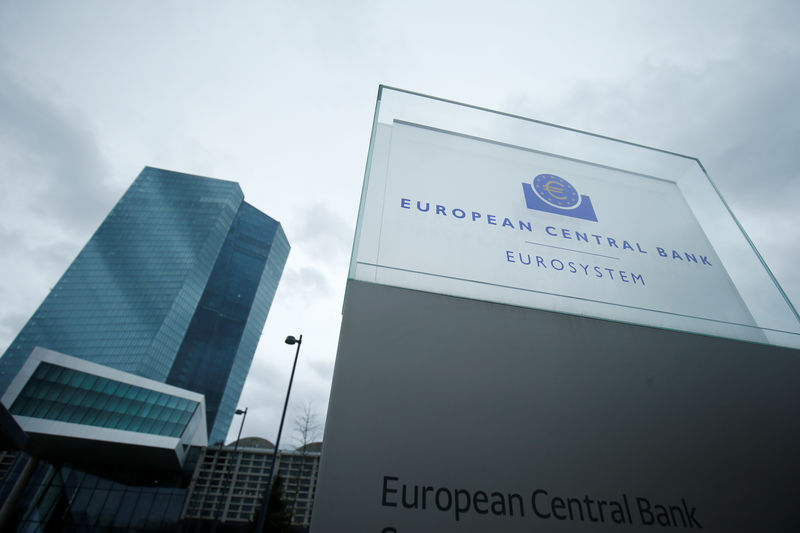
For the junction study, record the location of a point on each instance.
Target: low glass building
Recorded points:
(71, 408)
(106, 449)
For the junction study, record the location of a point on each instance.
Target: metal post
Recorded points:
(262, 515)
(228, 475)
(236, 445)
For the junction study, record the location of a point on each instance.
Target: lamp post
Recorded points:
(239, 412)
(233, 458)
(262, 515)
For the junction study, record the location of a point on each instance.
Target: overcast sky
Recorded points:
(279, 96)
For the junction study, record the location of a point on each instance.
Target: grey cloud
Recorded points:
(30, 268)
(325, 233)
(56, 147)
(323, 368)
(308, 283)
(47, 256)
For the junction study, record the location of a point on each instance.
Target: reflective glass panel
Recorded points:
(475, 203)
(46, 395)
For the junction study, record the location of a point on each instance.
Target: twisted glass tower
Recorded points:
(175, 286)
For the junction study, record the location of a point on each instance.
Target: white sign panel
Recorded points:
(480, 219)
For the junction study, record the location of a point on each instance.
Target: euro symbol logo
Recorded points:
(554, 194)
(555, 190)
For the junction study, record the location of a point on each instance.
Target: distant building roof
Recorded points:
(311, 447)
(254, 442)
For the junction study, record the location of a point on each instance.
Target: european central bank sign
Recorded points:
(513, 225)
(548, 330)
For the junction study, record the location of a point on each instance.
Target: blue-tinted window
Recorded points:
(134, 410)
(221, 340)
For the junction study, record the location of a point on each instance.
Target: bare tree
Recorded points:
(306, 429)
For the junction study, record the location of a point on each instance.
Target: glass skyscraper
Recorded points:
(174, 286)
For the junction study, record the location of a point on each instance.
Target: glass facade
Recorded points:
(67, 395)
(73, 498)
(225, 328)
(102, 503)
(177, 251)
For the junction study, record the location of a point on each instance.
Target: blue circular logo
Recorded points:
(556, 191)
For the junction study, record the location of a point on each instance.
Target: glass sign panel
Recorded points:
(472, 203)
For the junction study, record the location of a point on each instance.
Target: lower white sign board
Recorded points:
(455, 415)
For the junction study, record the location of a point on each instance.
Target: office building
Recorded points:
(229, 481)
(174, 286)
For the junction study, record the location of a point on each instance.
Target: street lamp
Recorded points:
(228, 473)
(239, 412)
(262, 515)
